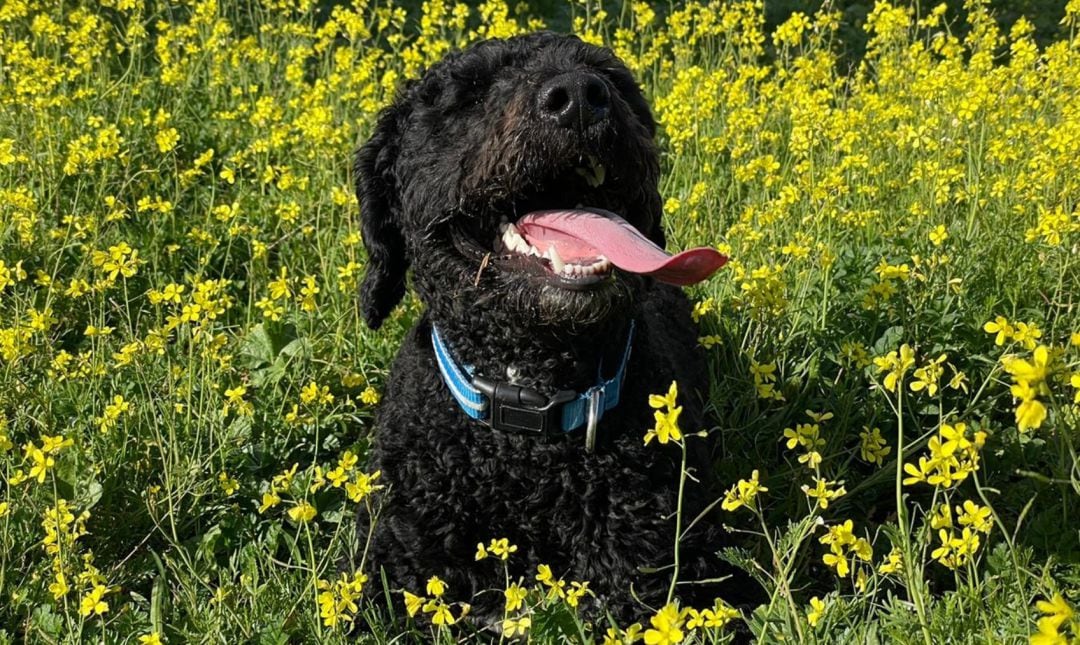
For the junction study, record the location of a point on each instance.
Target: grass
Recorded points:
(186, 385)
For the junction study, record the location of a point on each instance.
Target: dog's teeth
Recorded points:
(556, 262)
(508, 240)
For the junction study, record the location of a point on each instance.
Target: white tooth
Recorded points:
(557, 263)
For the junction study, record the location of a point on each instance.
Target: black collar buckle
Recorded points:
(523, 410)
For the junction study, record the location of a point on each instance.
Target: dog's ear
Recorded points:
(380, 213)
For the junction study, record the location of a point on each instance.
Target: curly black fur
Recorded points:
(460, 149)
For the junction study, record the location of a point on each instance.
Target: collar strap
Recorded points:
(512, 408)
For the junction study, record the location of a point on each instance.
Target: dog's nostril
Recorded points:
(574, 99)
(555, 100)
(596, 93)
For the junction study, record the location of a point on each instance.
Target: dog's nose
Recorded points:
(574, 99)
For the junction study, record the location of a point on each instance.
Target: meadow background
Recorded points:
(186, 385)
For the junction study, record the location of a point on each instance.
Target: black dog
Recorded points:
(505, 129)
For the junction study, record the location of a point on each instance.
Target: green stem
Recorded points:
(914, 591)
(782, 573)
(678, 522)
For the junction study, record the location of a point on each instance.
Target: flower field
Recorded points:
(187, 386)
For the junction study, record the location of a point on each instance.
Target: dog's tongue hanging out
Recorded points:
(579, 234)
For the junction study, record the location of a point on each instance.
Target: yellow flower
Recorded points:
(516, 627)
(817, 610)
(942, 518)
(577, 591)
(944, 553)
(302, 513)
(666, 415)
(270, 499)
(668, 400)
(52, 445)
(926, 377)
(515, 597)
(228, 484)
(1057, 613)
(1027, 334)
(873, 448)
(440, 613)
(743, 493)
(543, 574)
(895, 365)
(837, 561)
(894, 562)
(1033, 372)
(720, 615)
(363, 486)
(938, 235)
(666, 627)
(60, 587)
(167, 139)
(370, 396)
(975, 516)
(1030, 414)
(824, 491)
(501, 548)
(666, 428)
(153, 638)
(413, 603)
(42, 464)
(436, 587)
(92, 602)
(615, 636)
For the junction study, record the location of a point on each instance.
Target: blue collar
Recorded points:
(513, 408)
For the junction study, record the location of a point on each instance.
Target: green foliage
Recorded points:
(186, 384)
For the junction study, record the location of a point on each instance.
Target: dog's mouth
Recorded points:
(568, 234)
(580, 246)
(567, 261)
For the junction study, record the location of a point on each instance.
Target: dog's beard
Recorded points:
(519, 299)
(554, 306)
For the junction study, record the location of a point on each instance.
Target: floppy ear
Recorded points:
(380, 215)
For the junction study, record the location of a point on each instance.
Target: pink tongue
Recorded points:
(578, 233)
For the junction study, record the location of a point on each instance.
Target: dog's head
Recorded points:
(507, 128)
